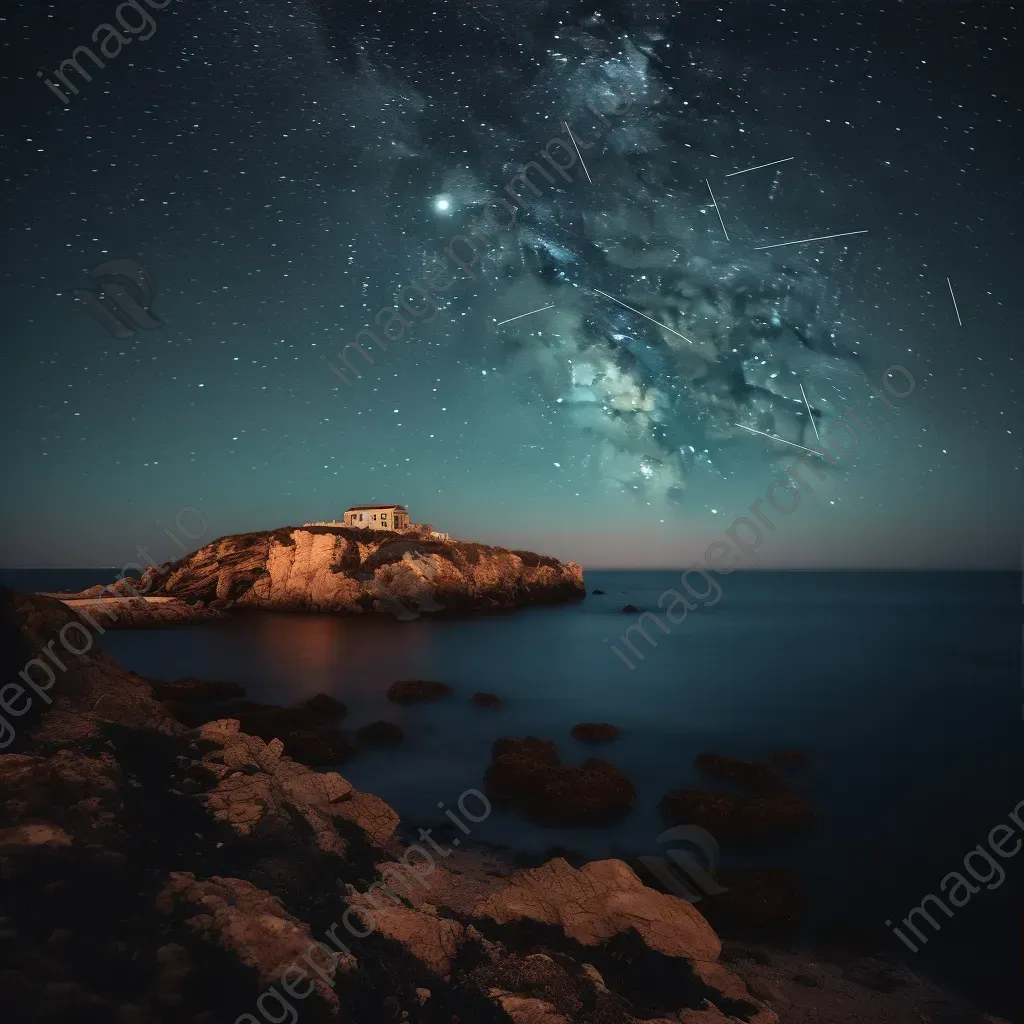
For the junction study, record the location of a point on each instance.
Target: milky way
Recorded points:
(719, 337)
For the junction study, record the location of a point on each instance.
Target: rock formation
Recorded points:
(338, 569)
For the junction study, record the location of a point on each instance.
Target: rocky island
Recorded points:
(332, 569)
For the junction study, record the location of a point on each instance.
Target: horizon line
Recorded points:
(639, 568)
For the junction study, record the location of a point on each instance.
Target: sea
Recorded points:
(904, 691)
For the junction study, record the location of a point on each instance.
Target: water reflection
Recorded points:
(354, 660)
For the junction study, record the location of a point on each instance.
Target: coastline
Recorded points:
(117, 799)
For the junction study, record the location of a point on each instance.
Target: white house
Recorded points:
(381, 517)
(377, 517)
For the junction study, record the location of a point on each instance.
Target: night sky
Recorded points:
(284, 170)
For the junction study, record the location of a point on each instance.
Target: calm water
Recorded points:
(905, 690)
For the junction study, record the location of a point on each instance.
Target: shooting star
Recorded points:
(717, 210)
(578, 153)
(521, 315)
(955, 307)
(782, 439)
(759, 166)
(818, 238)
(810, 414)
(644, 315)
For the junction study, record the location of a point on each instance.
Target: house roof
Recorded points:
(371, 508)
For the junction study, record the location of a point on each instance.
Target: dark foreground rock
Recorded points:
(529, 775)
(596, 732)
(411, 691)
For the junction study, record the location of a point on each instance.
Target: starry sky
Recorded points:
(284, 170)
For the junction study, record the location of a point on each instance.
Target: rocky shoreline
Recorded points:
(330, 569)
(154, 871)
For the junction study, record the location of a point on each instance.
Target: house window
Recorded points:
(360, 517)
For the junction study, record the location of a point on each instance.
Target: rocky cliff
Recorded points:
(322, 568)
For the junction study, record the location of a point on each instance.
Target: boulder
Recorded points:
(258, 791)
(729, 989)
(526, 1010)
(433, 940)
(599, 901)
(410, 691)
(234, 915)
(377, 818)
(595, 732)
(29, 838)
(630, 608)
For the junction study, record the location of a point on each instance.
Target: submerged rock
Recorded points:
(759, 779)
(487, 700)
(410, 691)
(380, 733)
(596, 732)
(323, 706)
(529, 775)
